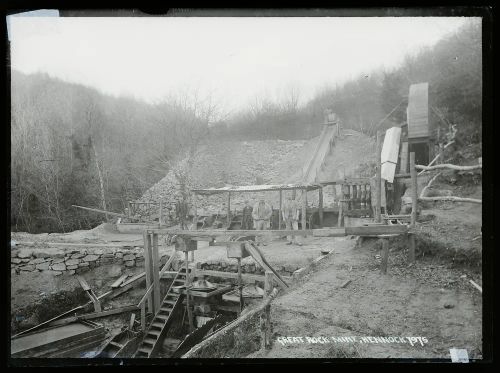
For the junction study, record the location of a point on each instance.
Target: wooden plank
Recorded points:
(119, 281)
(83, 283)
(133, 279)
(156, 270)
(403, 167)
(169, 262)
(320, 211)
(304, 207)
(121, 290)
(451, 198)
(378, 182)
(376, 230)
(146, 295)
(132, 321)
(449, 166)
(280, 210)
(95, 315)
(389, 153)
(476, 286)
(148, 265)
(411, 250)
(248, 277)
(345, 283)
(228, 233)
(261, 260)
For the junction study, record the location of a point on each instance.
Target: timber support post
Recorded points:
(265, 317)
(414, 186)
(148, 266)
(378, 186)
(240, 285)
(156, 273)
(228, 209)
(320, 207)
(281, 209)
(188, 283)
(411, 251)
(304, 209)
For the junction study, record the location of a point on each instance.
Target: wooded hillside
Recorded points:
(74, 145)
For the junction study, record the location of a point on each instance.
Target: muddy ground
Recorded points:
(432, 298)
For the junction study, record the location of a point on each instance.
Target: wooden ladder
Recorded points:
(163, 319)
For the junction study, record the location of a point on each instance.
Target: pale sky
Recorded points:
(234, 58)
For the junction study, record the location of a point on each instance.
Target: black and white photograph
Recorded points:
(240, 186)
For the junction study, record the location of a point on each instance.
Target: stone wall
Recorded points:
(77, 260)
(251, 268)
(71, 260)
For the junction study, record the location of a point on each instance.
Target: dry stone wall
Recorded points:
(71, 261)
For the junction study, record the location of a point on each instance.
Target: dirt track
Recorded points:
(429, 300)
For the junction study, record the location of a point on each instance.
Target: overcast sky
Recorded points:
(234, 58)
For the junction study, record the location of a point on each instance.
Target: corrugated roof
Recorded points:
(255, 188)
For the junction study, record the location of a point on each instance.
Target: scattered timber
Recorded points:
(436, 157)
(476, 286)
(422, 194)
(449, 166)
(451, 198)
(110, 213)
(345, 283)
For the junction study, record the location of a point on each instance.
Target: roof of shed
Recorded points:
(255, 188)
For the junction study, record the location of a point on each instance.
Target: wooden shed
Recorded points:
(418, 111)
(420, 133)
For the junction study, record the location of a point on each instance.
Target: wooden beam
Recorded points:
(145, 296)
(225, 232)
(376, 230)
(414, 185)
(95, 315)
(160, 219)
(188, 282)
(194, 198)
(451, 198)
(449, 166)
(281, 207)
(476, 286)
(320, 207)
(156, 270)
(169, 262)
(148, 265)
(83, 283)
(118, 282)
(304, 208)
(411, 249)
(245, 277)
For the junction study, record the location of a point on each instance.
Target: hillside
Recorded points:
(276, 161)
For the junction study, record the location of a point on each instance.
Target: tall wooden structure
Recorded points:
(420, 139)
